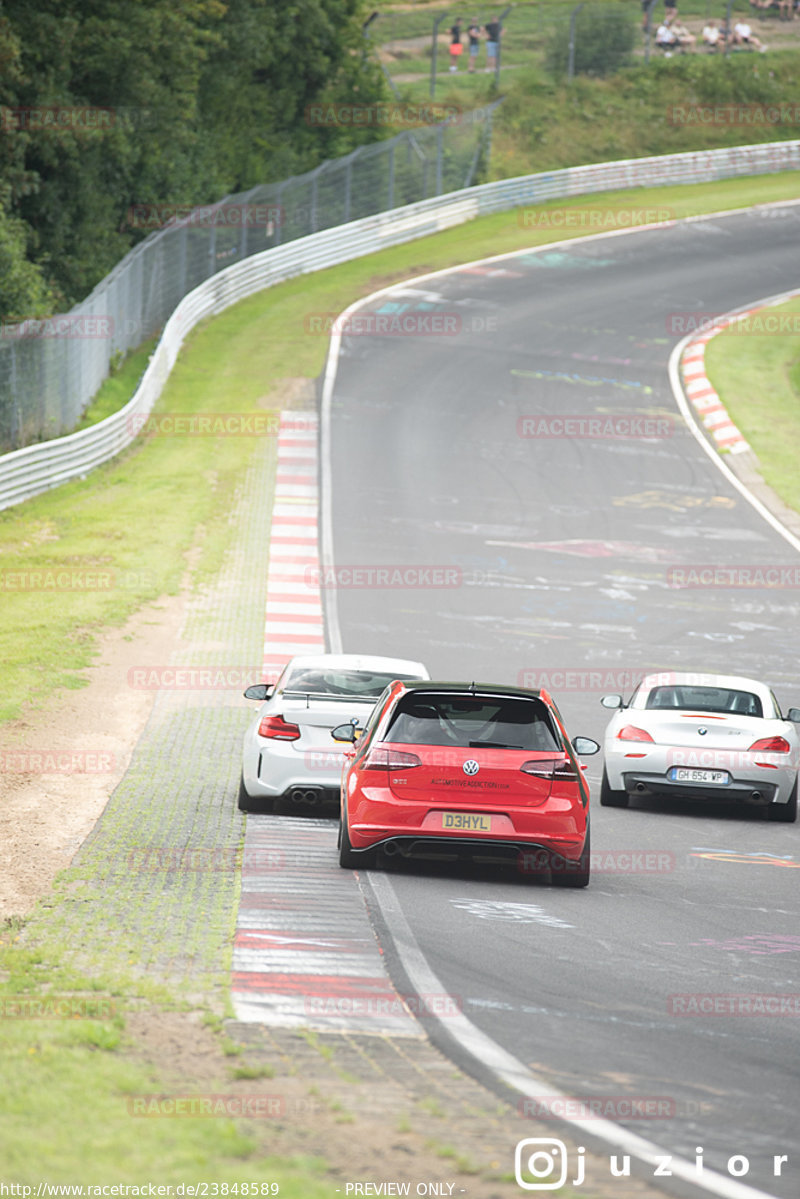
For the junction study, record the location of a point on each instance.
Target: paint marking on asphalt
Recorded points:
(305, 954)
(293, 622)
(496, 909)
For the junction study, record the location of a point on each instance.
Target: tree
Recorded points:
(604, 38)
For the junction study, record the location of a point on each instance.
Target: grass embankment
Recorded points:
(71, 1091)
(66, 1082)
(673, 106)
(546, 123)
(134, 520)
(757, 376)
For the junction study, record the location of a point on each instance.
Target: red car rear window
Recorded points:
(470, 722)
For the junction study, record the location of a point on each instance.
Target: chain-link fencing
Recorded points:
(51, 369)
(560, 39)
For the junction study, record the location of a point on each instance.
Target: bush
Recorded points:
(604, 38)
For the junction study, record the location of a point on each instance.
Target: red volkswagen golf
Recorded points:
(446, 770)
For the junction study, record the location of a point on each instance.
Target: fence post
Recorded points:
(434, 48)
(15, 424)
(439, 156)
(212, 250)
(281, 212)
(312, 214)
(390, 205)
(648, 30)
(500, 20)
(183, 236)
(348, 188)
(727, 29)
(573, 16)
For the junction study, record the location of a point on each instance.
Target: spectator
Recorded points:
(493, 29)
(474, 35)
(665, 39)
(743, 36)
(712, 36)
(685, 39)
(455, 45)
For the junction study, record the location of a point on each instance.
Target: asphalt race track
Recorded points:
(556, 557)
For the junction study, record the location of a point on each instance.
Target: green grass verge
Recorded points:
(120, 386)
(757, 376)
(133, 521)
(71, 1092)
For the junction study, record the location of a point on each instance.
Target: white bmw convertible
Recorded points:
(702, 737)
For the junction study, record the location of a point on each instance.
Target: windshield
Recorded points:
(470, 723)
(328, 681)
(705, 699)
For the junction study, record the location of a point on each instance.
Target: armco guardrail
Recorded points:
(34, 469)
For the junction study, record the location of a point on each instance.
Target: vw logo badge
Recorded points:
(702, 732)
(471, 767)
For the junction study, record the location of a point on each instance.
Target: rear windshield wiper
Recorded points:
(492, 745)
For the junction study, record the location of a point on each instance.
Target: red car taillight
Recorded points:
(278, 729)
(550, 768)
(772, 745)
(390, 759)
(631, 733)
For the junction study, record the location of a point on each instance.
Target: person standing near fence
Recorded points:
(474, 35)
(493, 30)
(455, 45)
